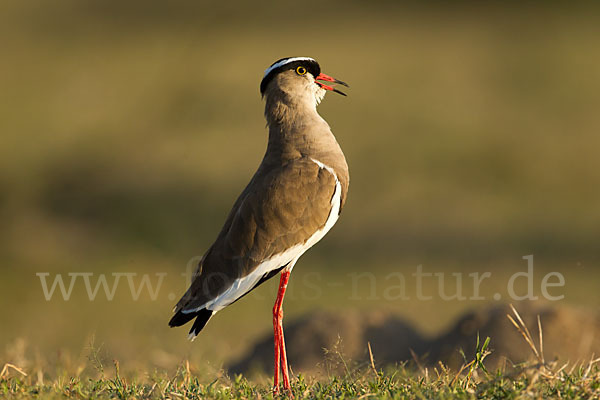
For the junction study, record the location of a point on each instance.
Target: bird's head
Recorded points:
(298, 78)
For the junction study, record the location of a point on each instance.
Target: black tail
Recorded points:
(181, 318)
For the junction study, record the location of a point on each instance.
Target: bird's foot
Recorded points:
(287, 391)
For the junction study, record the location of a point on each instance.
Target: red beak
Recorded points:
(327, 78)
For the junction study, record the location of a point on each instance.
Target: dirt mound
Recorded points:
(322, 342)
(568, 333)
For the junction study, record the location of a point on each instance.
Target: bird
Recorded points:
(293, 199)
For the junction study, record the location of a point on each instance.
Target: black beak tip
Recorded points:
(340, 92)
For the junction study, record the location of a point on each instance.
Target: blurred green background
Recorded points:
(129, 128)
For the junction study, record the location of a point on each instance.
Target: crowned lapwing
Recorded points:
(291, 202)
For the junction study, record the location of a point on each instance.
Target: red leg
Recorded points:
(284, 364)
(278, 333)
(276, 337)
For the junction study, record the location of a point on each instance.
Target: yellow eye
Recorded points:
(301, 70)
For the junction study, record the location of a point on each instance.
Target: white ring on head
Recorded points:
(284, 62)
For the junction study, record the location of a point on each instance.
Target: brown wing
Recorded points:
(280, 207)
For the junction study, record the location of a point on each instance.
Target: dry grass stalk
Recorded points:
(416, 360)
(7, 366)
(460, 371)
(522, 328)
(188, 375)
(372, 359)
(541, 339)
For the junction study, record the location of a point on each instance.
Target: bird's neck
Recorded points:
(296, 130)
(285, 112)
(295, 127)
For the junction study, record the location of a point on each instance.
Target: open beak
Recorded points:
(327, 78)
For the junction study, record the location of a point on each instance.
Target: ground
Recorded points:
(532, 382)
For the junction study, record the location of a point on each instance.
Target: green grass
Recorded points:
(533, 381)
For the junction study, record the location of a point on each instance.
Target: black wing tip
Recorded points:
(202, 316)
(202, 319)
(180, 318)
